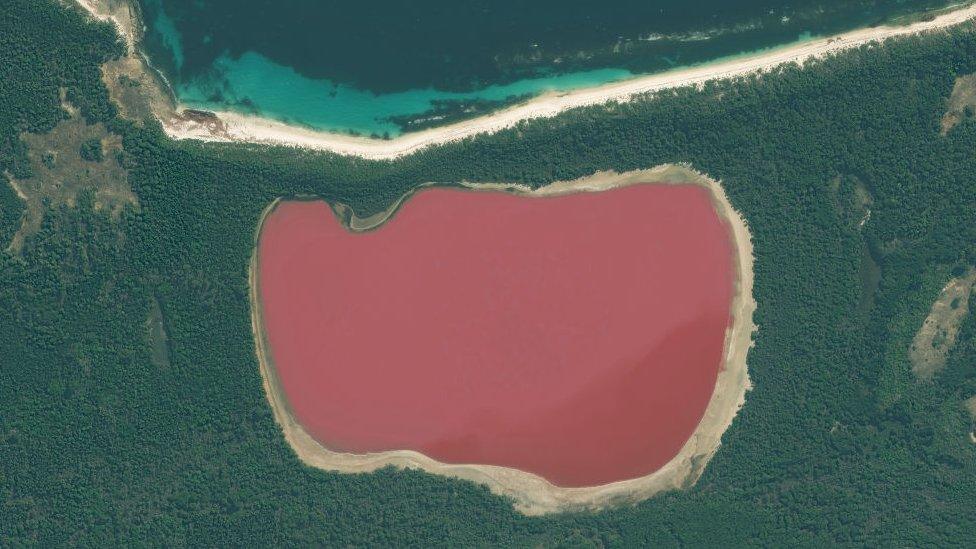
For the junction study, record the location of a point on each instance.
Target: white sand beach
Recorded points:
(235, 127)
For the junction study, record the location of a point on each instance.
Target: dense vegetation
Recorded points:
(837, 443)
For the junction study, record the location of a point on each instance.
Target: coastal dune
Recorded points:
(226, 126)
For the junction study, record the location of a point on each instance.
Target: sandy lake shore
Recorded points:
(532, 494)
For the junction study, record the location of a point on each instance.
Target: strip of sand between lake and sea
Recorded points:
(532, 494)
(227, 126)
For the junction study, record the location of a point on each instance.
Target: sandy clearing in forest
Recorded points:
(970, 405)
(962, 98)
(59, 173)
(937, 336)
(532, 494)
(226, 126)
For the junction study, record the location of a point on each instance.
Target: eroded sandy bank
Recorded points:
(225, 126)
(531, 493)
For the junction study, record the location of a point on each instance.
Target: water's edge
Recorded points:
(252, 84)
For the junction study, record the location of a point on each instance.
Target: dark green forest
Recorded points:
(105, 440)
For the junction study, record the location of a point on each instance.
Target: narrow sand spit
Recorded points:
(228, 126)
(532, 494)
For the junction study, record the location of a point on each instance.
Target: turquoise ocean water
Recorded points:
(331, 65)
(253, 83)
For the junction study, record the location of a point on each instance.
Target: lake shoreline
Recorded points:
(530, 493)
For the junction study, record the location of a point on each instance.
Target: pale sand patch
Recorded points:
(234, 127)
(970, 405)
(963, 96)
(937, 336)
(532, 494)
